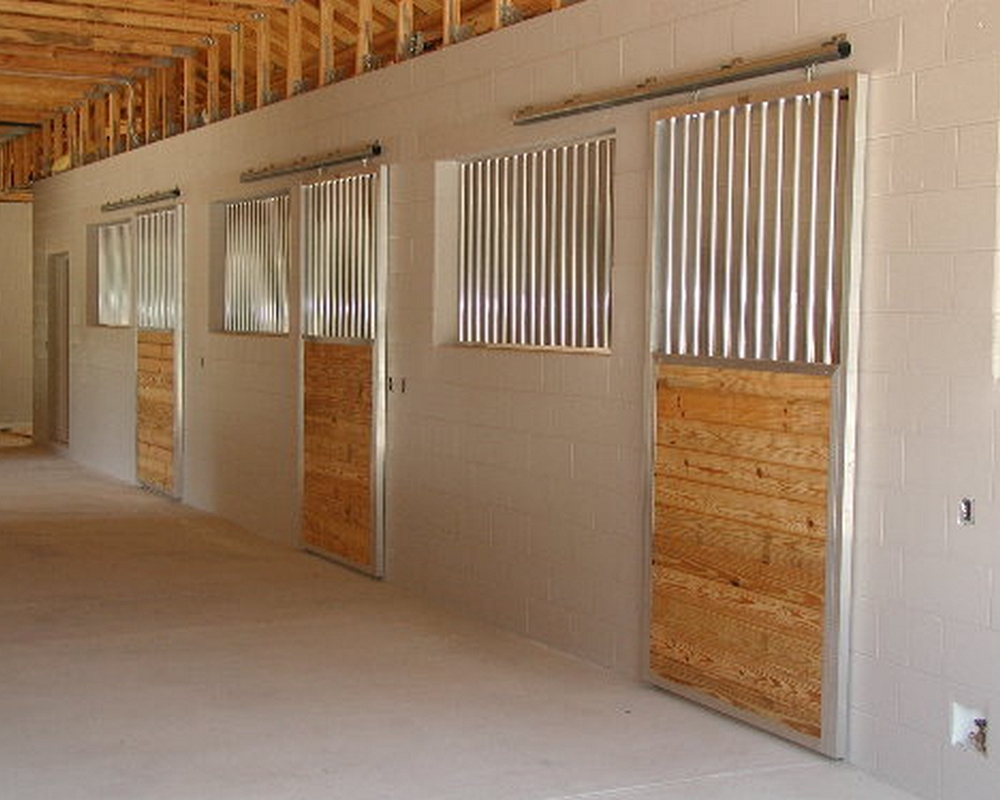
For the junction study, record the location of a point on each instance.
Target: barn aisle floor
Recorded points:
(148, 650)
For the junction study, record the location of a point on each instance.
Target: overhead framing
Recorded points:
(81, 80)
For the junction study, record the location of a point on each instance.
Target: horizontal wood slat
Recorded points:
(739, 549)
(155, 411)
(337, 515)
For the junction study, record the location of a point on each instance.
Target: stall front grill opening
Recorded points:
(748, 228)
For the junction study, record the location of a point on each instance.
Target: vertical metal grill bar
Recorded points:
(830, 344)
(145, 291)
(744, 325)
(759, 288)
(321, 293)
(318, 285)
(526, 238)
(572, 250)
(713, 244)
(609, 239)
(337, 300)
(779, 192)
(464, 223)
(552, 220)
(671, 267)
(503, 231)
(563, 227)
(728, 311)
(698, 212)
(685, 172)
(350, 235)
(791, 353)
(493, 305)
(547, 253)
(228, 268)
(476, 276)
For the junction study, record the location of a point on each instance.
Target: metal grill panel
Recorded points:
(748, 229)
(158, 264)
(256, 265)
(340, 239)
(536, 247)
(114, 274)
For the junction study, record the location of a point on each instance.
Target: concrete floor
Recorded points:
(151, 651)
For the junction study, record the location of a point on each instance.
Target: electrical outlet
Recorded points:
(966, 511)
(969, 728)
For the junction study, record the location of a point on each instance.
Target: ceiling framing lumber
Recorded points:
(82, 80)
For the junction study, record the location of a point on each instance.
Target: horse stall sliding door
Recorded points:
(756, 309)
(158, 254)
(343, 401)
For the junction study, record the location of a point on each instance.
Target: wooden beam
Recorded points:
(214, 82)
(114, 122)
(34, 91)
(72, 138)
(149, 106)
(363, 46)
(294, 45)
(46, 144)
(129, 116)
(83, 135)
(165, 96)
(190, 118)
(404, 28)
(262, 26)
(105, 21)
(238, 79)
(327, 68)
(84, 35)
(451, 18)
(58, 62)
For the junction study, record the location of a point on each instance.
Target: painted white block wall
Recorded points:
(517, 482)
(15, 314)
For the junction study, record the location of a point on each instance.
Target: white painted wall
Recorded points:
(517, 481)
(15, 315)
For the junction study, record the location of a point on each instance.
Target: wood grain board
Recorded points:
(337, 516)
(156, 411)
(740, 541)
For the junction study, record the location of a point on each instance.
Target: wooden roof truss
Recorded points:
(81, 80)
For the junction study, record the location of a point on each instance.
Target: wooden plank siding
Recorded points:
(740, 538)
(337, 514)
(156, 411)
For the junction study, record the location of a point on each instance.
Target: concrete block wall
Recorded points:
(518, 482)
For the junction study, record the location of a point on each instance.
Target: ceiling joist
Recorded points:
(84, 79)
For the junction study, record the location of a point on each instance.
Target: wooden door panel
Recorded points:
(740, 544)
(338, 510)
(156, 411)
